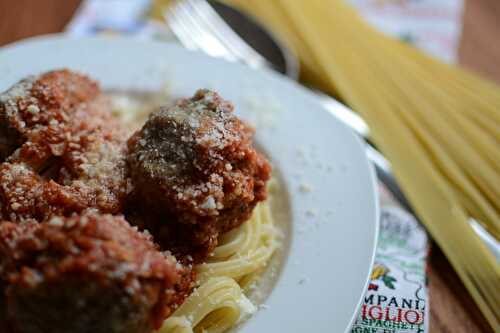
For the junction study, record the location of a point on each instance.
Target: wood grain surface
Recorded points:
(25, 18)
(480, 44)
(451, 308)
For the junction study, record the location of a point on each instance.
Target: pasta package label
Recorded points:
(396, 299)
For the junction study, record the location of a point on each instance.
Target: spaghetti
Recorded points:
(228, 277)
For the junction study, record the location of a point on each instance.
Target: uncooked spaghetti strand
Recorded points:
(485, 94)
(447, 164)
(460, 149)
(293, 12)
(483, 185)
(468, 104)
(478, 160)
(474, 103)
(485, 144)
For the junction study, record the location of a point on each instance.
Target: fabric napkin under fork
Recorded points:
(396, 299)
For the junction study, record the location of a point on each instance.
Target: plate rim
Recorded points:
(60, 37)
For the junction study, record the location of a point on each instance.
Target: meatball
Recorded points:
(195, 167)
(88, 273)
(57, 132)
(37, 110)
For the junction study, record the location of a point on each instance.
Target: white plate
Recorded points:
(334, 227)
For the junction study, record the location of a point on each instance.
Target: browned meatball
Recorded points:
(58, 137)
(37, 110)
(194, 166)
(90, 273)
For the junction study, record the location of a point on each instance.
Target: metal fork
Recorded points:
(198, 26)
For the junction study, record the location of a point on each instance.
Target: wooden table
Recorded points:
(452, 309)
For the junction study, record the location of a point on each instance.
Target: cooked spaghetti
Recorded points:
(229, 276)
